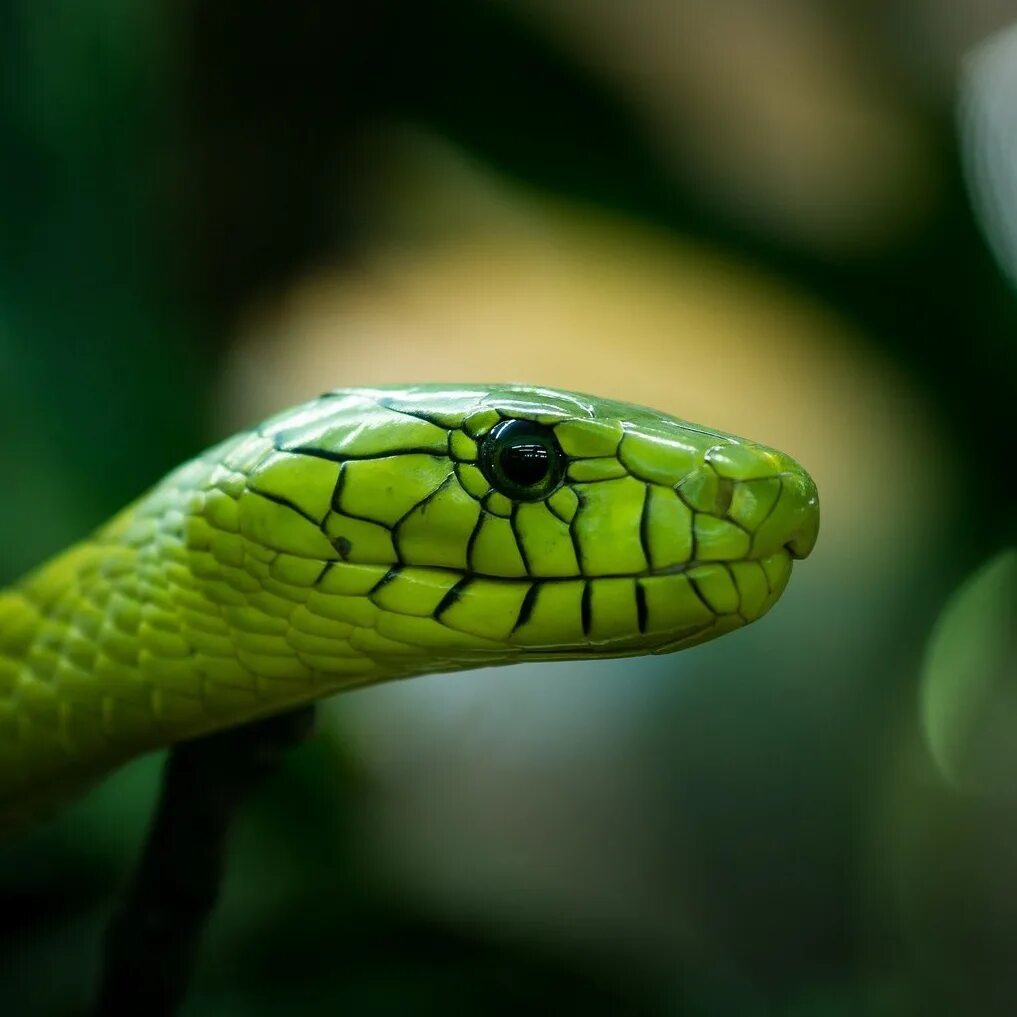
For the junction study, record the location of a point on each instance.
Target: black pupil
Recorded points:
(522, 460)
(525, 464)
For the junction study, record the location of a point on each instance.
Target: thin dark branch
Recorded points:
(153, 938)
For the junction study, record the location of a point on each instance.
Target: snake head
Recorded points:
(382, 533)
(455, 526)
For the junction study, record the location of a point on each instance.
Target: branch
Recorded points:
(152, 940)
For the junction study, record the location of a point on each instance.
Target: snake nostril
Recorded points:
(725, 494)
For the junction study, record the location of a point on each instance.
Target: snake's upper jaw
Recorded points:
(799, 505)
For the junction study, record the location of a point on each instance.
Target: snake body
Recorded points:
(374, 534)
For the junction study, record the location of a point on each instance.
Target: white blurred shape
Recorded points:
(988, 126)
(775, 112)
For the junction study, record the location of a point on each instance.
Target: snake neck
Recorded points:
(166, 624)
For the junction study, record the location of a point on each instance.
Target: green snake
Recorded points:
(374, 534)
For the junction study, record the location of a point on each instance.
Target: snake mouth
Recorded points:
(700, 601)
(501, 619)
(585, 617)
(798, 548)
(804, 540)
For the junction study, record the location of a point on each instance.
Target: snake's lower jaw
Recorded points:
(757, 586)
(777, 568)
(684, 608)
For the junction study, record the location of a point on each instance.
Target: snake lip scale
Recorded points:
(380, 533)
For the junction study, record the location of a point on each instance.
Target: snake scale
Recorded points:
(374, 534)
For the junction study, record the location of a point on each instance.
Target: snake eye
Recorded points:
(522, 460)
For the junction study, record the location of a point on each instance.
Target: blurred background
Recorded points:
(794, 220)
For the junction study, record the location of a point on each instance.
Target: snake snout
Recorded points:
(768, 495)
(798, 510)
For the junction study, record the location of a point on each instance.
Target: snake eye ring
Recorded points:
(522, 460)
